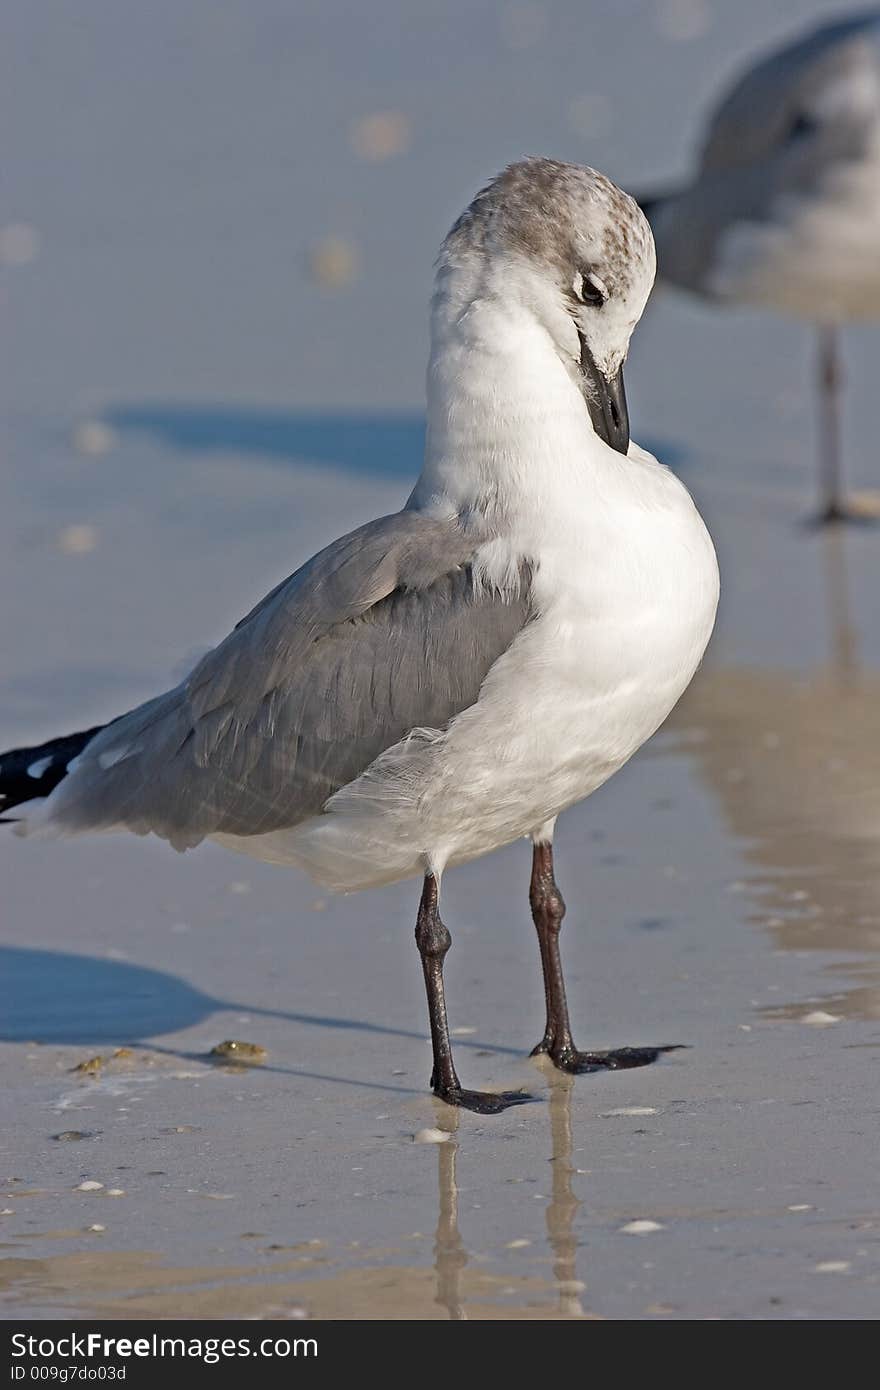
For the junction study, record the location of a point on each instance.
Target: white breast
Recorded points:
(815, 256)
(626, 604)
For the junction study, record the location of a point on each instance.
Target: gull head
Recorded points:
(563, 245)
(805, 108)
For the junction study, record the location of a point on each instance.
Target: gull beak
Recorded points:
(606, 402)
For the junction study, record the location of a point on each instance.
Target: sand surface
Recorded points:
(186, 416)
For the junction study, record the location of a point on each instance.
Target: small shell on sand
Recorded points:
(865, 503)
(820, 1019)
(631, 1110)
(80, 538)
(381, 135)
(93, 437)
(245, 1053)
(90, 1186)
(431, 1136)
(640, 1228)
(90, 1067)
(333, 262)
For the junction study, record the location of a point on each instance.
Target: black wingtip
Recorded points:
(20, 782)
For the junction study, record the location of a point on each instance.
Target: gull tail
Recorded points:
(27, 774)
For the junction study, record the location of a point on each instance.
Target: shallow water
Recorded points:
(722, 891)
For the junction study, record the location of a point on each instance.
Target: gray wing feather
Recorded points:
(383, 632)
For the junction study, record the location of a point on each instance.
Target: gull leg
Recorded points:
(831, 507)
(433, 941)
(548, 910)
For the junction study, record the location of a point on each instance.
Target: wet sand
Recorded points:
(721, 894)
(723, 891)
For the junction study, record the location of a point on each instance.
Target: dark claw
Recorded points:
(619, 1059)
(483, 1102)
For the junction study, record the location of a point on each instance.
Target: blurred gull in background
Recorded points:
(784, 210)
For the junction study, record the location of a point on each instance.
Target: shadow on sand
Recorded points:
(54, 997)
(389, 444)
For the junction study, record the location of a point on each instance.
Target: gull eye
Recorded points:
(592, 290)
(802, 126)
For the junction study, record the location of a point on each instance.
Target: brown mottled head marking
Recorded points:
(566, 217)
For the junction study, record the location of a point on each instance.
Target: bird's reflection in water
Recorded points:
(450, 1254)
(793, 758)
(563, 1205)
(844, 640)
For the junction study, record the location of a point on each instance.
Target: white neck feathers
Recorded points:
(507, 423)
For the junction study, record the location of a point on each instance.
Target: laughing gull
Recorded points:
(448, 679)
(784, 211)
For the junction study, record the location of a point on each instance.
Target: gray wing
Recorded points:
(383, 632)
